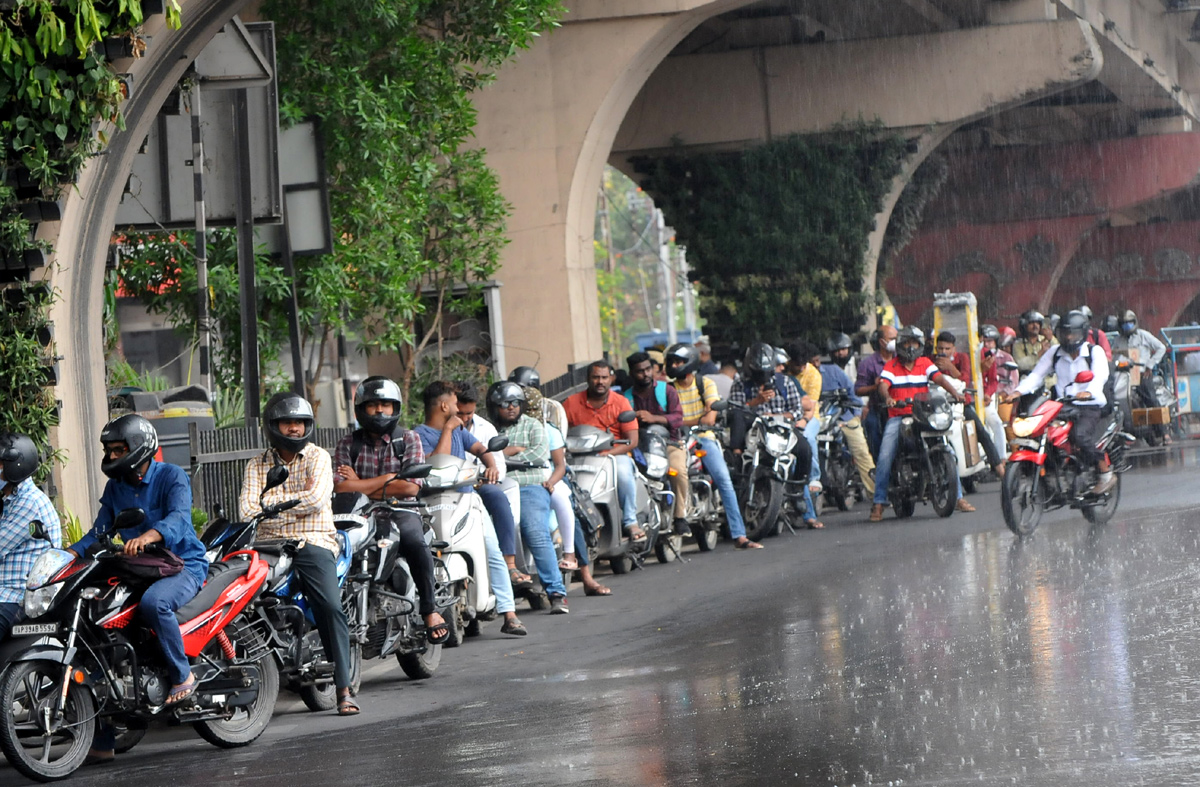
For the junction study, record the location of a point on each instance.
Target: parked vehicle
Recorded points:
(84, 656)
(925, 468)
(1043, 472)
(839, 475)
(595, 473)
(706, 512)
(964, 439)
(767, 490)
(654, 468)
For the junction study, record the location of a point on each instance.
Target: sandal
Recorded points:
(518, 579)
(748, 544)
(569, 563)
(181, 691)
(635, 534)
(438, 633)
(597, 590)
(815, 524)
(513, 626)
(347, 706)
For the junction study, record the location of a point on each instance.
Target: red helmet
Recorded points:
(1007, 337)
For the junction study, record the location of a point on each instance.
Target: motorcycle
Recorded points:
(595, 473)
(706, 511)
(84, 655)
(766, 490)
(1043, 472)
(925, 467)
(1147, 407)
(839, 474)
(654, 468)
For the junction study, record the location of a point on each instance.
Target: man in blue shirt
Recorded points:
(834, 379)
(162, 491)
(21, 504)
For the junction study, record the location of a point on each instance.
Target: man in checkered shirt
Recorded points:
(21, 504)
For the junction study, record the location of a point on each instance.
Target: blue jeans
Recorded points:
(9, 614)
(581, 547)
(157, 608)
(811, 430)
(887, 455)
(626, 490)
(714, 462)
(535, 530)
(872, 422)
(498, 571)
(496, 503)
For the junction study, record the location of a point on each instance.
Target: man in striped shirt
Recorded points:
(903, 377)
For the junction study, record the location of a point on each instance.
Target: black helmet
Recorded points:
(839, 341)
(139, 438)
(288, 406)
(681, 360)
(503, 393)
(989, 332)
(526, 377)
(18, 457)
(1128, 323)
(909, 334)
(758, 367)
(377, 389)
(1033, 315)
(1072, 331)
(1111, 324)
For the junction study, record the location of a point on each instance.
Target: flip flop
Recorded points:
(570, 564)
(748, 544)
(518, 579)
(598, 590)
(348, 707)
(438, 633)
(514, 627)
(181, 692)
(635, 533)
(815, 524)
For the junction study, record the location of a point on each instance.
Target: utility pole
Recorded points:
(606, 230)
(689, 295)
(203, 321)
(668, 275)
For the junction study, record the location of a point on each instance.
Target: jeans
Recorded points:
(535, 530)
(873, 422)
(496, 503)
(626, 489)
(714, 462)
(9, 614)
(316, 568)
(157, 608)
(811, 430)
(420, 561)
(581, 549)
(887, 455)
(497, 571)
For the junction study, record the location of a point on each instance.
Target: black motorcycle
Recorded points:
(839, 474)
(769, 485)
(925, 467)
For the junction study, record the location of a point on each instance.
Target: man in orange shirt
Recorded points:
(600, 407)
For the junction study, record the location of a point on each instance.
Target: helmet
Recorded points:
(989, 332)
(1128, 323)
(781, 356)
(904, 341)
(526, 376)
(18, 457)
(377, 389)
(1053, 319)
(502, 393)
(1111, 324)
(1007, 337)
(1085, 311)
(139, 438)
(758, 367)
(839, 341)
(682, 360)
(1031, 316)
(1072, 331)
(289, 406)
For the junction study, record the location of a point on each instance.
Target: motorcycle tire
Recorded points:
(667, 547)
(127, 737)
(1100, 514)
(706, 538)
(474, 627)
(538, 600)
(1022, 513)
(943, 487)
(456, 623)
(620, 565)
(247, 723)
(324, 697)
(763, 503)
(420, 666)
(19, 729)
(904, 507)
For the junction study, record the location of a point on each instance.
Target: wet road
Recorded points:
(924, 652)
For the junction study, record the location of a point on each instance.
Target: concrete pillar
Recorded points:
(1008, 12)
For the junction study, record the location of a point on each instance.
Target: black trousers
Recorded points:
(420, 561)
(985, 437)
(316, 568)
(1083, 434)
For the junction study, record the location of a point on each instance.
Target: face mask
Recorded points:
(890, 346)
(842, 361)
(1127, 327)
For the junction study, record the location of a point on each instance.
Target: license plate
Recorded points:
(26, 629)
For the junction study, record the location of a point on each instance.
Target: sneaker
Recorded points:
(1104, 484)
(558, 605)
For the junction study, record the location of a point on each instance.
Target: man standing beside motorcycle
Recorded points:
(600, 406)
(697, 395)
(902, 378)
(1073, 356)
(655, 402)
(867, 384)
(833, 379)
(21, 504)
(288, 422)
(163, 492)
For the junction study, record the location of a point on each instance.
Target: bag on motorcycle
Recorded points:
(149, 566)
(588, 516)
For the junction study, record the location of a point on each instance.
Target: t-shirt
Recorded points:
(906, 383)
(581, 413)
(461, 440)
(690, 399)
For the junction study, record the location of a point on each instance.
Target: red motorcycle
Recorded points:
(1043, 471)
(84, 655)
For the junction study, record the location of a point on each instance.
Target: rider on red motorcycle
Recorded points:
(1073, 355)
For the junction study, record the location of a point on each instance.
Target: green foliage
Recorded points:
(72, 528)
(776, 234)
(199, 520)
(26, 403)
(411, 209)
(121, 374)
(229, 408)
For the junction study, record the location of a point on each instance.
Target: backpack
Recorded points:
(1109, 389)
(660, 393)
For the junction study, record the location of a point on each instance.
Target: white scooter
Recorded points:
(964, 438)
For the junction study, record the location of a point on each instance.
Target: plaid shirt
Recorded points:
(530, 434)
(312, 520)
(789, 402)
(19, 550)
(376, 457)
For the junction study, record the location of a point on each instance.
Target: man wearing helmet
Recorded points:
(841, 354)
(288, 422)
(866, 383)
(21, 504)
(138, 480)
(834, 379)
(905, 376)
(528, 444)
(1033, 339)
(366, 461)
(1095, 335)
(697, 395)
(1145, 350)
(1076, 354)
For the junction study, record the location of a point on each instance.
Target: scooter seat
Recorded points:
(220, 576)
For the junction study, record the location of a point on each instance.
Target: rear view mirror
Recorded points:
(38, 530)
(1085, 376)
(626, 417)
(720, 406)
(275, 477)
(416, 471)
(1011, 366)
(129, 517)
(497, 443)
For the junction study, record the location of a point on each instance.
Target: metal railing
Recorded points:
(564, 385)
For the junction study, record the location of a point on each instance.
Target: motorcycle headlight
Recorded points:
(37, 602)
(1024, 427)
(583, 445)
(656, 466)
(442, 477)
(777, 444)
(940, 420)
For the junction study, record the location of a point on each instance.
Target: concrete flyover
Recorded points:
(644, 77)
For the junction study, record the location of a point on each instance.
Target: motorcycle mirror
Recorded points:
(626, 417)
(1011, 366)
(129, 517)
(1086, 376)
(720, 406)
(497, 443)
(275, 477)
(38, 530)
(416, 471)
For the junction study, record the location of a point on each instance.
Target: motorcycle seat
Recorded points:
(349, 521)
(220, 576)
